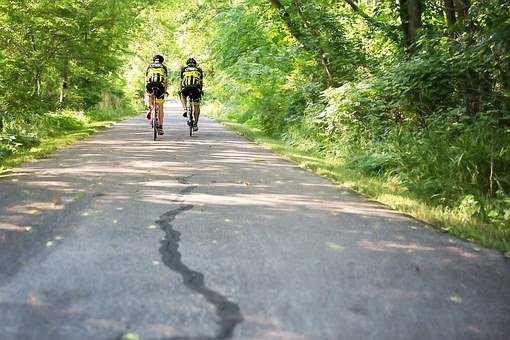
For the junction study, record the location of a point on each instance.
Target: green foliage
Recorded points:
(60, 54)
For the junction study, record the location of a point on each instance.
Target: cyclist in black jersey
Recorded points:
(192, 86)
(156, 77)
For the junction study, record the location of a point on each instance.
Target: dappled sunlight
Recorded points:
(281, 335)
(33, 208)
(272, 328)
(389, 246)
(398, 294)
(461, 252)
(13, 227)
(48, 183)
(292, 202)
(411, 247)
(105, 324)
(158, 197)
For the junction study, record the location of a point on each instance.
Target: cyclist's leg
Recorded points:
(147, 98)
(196, 111)
(160, 99)
(161, 113)
(183, 102)
(150, 104)
(196, 106)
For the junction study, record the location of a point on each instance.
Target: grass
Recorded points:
(53, 136)
(388, 192)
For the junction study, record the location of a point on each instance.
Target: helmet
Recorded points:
(158, 57)
(191, 61)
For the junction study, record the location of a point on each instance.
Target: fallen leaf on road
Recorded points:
(334, 246)
(130, 336)
(455, 298)
(33, 300)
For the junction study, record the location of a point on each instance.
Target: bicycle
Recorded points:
(154, 113)
(190, 108)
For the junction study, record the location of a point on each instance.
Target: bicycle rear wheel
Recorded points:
(190, 117)
(154, 115)
(154, 126)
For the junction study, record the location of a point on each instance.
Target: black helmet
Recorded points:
(191, 61)
(158, 57)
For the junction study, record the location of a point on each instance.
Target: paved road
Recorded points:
(213, 237)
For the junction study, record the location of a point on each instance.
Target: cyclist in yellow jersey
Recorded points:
(156, 77)
(192, 86)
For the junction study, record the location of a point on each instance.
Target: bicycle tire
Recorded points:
(154, 129)
(154, 116)
(190, 119)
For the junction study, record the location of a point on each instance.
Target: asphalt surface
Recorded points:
(213, 237)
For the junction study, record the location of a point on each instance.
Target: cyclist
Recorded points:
(156, 77)
(191, 85)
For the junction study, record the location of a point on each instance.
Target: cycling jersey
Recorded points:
(155, 81)
(156, 73)
(191, 76)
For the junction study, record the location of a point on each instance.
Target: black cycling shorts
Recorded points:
(193, 92)
(159, 90)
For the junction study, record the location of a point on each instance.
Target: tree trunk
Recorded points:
(449, 9)
(63, 87)
(324, 60)
(410, 16)
(38, 84)
(472, 81)
(462, 8)
(414, 11)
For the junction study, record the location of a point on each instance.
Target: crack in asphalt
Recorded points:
(228, 312)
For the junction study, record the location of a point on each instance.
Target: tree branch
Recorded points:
(389, 30)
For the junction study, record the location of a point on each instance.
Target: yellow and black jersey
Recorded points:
(191, 76)
(156, 73)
